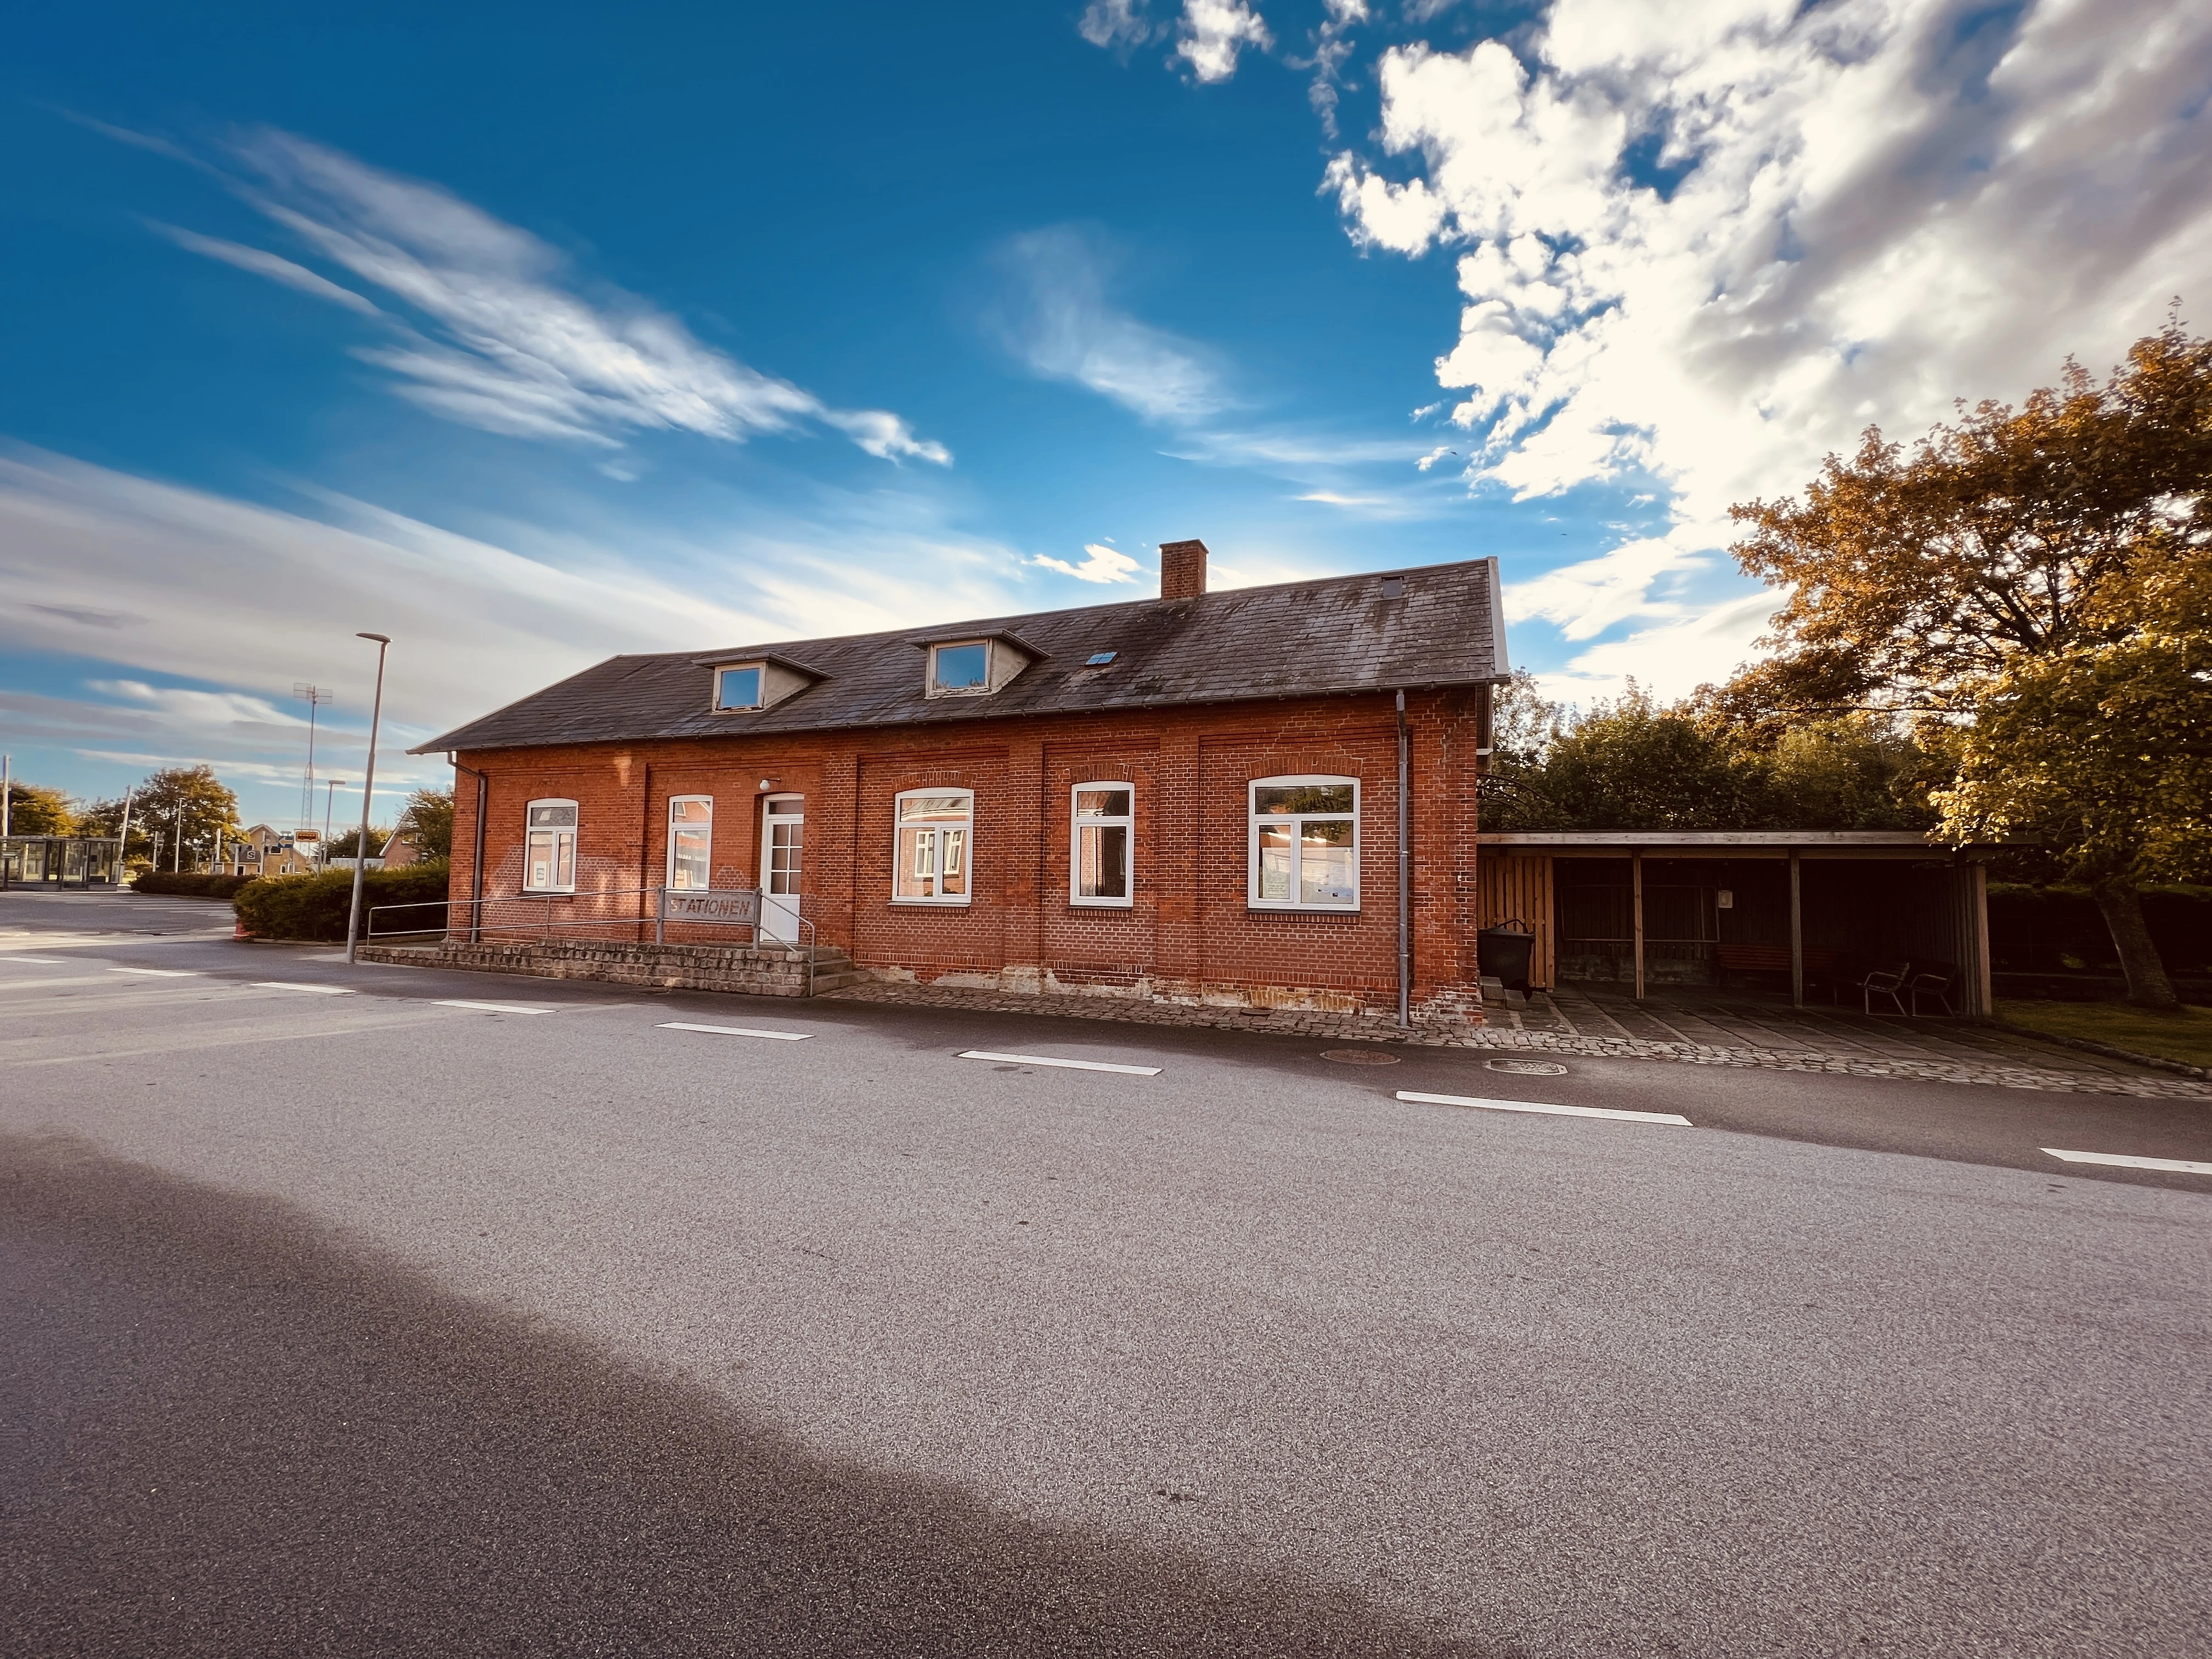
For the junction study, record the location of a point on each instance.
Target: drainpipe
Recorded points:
(1405, 872)
(475, 870)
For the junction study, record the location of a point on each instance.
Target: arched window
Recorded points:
(549, 863)
(1305, 844)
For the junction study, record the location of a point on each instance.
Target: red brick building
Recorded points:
(1192, 798)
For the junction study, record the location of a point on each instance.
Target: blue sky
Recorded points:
(531, 335)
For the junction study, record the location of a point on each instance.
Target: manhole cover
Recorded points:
(1358, 1057)
(1527, 1067)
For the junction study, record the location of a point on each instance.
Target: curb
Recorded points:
(2110, 1051)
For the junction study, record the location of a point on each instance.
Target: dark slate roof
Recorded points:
(1338, 635)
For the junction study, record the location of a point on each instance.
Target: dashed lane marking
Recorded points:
(1068, 1064)
(158, 973)
(1615, 1113)
(44, 962)
(286, 985)
(487, 1007)
(2178, 1165)
(735, 1031)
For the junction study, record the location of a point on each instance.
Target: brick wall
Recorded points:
(1189, 934)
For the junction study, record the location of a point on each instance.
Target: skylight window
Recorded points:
(1098, 659)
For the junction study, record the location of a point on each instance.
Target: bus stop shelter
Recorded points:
(58, 861)
(1807, 911)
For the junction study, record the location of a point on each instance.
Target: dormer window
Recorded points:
(963, 666)
(738, 687)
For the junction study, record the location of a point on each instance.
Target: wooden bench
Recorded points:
(1770, 959)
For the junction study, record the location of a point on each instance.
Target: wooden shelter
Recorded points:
(1705, 907)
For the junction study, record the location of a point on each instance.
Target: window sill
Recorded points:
(1265, 908)
(1102, 904)
(547, 892)
(937, 904)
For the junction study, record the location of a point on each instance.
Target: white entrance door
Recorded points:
(783, 836)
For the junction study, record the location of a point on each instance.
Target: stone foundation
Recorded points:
(757, 970)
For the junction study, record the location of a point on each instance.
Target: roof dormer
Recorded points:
(974, 664)
(746, 685)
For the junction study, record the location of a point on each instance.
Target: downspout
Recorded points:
(1405, 872)
(475, 868)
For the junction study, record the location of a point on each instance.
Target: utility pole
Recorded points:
(367, 794)
(122, 840)
(323, 853)
(7, 797)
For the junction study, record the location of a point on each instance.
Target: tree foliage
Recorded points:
(1632, 763)
(2032, 584)
(429, 817)
(36, 809)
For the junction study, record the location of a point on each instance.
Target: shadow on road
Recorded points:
(238, 1434)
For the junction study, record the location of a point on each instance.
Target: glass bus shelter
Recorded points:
(56, 861)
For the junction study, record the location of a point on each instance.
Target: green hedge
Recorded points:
(315, 907)
(191, 882)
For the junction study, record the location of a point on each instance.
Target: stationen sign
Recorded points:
(740, 908)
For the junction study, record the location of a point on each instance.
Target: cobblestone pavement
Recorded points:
(1687, 1024)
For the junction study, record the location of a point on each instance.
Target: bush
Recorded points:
(190, 882)
(315, 907)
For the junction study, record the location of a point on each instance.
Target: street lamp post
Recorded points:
(368, 794)
(323, 853)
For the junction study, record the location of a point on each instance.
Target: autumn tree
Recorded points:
(36, 809)
(190, 806)
(2000, 569)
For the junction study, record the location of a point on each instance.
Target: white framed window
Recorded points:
(549, 861)
(1305, 843)
(960, 668)
(739, 686)
(1102, 830)
(931, 860)
(691, 843)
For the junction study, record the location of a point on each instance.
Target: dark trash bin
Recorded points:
(1502, 953)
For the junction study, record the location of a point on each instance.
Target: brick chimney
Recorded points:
(1182, 570)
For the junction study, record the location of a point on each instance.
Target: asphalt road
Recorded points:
(362, 1324)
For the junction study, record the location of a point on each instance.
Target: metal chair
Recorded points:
(1935, 980)
(1884, 982)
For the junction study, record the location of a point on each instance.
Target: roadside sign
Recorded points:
(739, 907)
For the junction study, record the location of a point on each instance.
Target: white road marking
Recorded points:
(1555, 1111)
(157, 973)
(287, 985)
(1070, 1065)
(2180, 1165)
(45, 962)
(735, 1031)
(488, 1007)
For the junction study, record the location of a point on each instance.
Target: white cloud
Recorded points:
(1584, 599)
(1113, 23)
(1056, 317)
(1867, 209)
(1670, 660)
(1101, 564)
(242, 600)
(506, 341)
(263, 263)
(1212, 33)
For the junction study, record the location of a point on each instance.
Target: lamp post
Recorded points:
(368, 794)
(323, 852)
